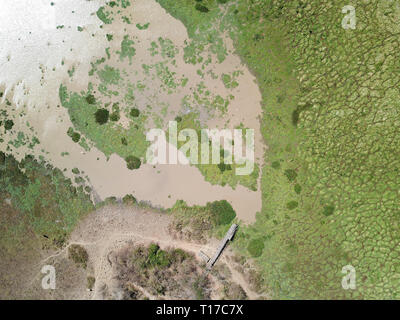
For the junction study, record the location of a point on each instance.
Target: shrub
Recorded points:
(115, 116)
(328, 210)
(157, 257)
(76, 137)
(297, 188)
(291, 174)
(129, 199)
(102, 116)
(201, 8)
(133, 162)
(222, 167)
(255, 247)
(292, 205)
(78, 254)
(90, 99)
(90, 282)
(134, 113)
(8, 124)
(276, 164)
(221, 212)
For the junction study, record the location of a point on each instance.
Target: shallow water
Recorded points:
(31, 66)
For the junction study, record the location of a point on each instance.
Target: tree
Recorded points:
(133, 162)
(102, 116)
(221, 212)
(135, 113)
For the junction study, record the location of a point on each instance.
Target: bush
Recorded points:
(157, 257)
(328, 210)
(297, 188)
(256, 247)
(91, 99)
(115, 116)
(90, 282)
(76, 137)
(134, 113)
(276, 164)
(133, 162)
(221, 212)
(78, 254)
(201, 8)
(129, 199)
(291, 174)
(102, 116)
(222, 167)
(8, 124)
(292, 205)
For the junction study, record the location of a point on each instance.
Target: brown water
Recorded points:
(26, 67)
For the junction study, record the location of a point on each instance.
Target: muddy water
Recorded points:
(34, 62)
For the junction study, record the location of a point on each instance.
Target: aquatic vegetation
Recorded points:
(327, 202)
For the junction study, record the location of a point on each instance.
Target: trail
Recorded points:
(111, 228)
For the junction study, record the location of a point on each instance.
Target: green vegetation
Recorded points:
(129, 199)
(221, 174)
(169, 272)
(256, 247)
(104, 15)
(323, 135)
(43, 204)
(222, 212)
(142, 26)
(133, 162)
(90, 282)
(92, 120)
(8, 124)
(102, 116)
(200, 222)
(134, 113)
